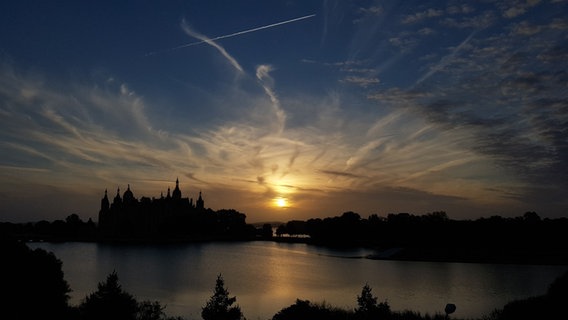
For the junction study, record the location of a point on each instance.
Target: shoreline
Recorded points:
(418, 254)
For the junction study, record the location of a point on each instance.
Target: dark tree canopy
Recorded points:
(32, 283)
(366, 301)
(368, 308)
(220, 305)
(109, 302)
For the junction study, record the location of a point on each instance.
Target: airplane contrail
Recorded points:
(233, 34)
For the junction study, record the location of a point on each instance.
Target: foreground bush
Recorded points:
(111, 302)
(304, 309)
(367, 308)
(552, 305)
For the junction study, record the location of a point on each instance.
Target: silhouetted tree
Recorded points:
(32, 283)
(266, 231)
(109, 302)
(281, 230)
(304, 309)
(148, 310)
(296, 227)
(366, 301)
(531, 217)
(153, 310)
(368, 308)
(220, 305)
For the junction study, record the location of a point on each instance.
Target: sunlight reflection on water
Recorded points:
(266, 277)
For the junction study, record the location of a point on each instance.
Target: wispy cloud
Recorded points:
(192, 33)
(68, 141)
(513, 9)
(361, 81)
(505, 105)
(263, 75)
(420, 16)
(444, 61)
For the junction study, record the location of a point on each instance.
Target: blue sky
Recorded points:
(371, 106)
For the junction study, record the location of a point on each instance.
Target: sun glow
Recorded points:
(281, 202)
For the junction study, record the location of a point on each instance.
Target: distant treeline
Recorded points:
(207, 225)
(70, 229)
(34, 287)
(433, 236)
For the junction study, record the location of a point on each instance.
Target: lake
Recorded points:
(268, 276)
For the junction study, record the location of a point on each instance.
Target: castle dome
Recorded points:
(128, 196)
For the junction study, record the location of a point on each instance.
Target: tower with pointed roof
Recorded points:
(117, 199)
(105, 213)
(200, 204)
(105, 204)
(176, 195)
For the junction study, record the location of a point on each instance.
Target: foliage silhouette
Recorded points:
(32, 281)
(149, 310)
(368, 308)
(436, 237)
(304, 309)
(153, 310)
(220, 305)
(552, 305)
(109, 302)
(366, 301)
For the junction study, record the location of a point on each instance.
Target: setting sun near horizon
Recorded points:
(302, 109)
(280, 202)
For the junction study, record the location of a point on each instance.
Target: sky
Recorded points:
(285, 110)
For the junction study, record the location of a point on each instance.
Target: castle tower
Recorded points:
(105, 204)
(177, 192)
(117, 200)
(104, 214)
(200, 204)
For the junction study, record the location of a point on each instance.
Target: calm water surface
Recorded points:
(266, 277)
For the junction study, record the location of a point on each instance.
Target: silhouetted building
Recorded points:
(130, 217)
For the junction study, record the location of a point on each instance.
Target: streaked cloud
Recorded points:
(419, 16)
(376, 109)
(192, 33)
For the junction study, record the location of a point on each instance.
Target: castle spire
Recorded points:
(200, 204)
(117, 200)
(177, 192)
(105, 203)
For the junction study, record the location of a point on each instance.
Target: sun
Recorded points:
(281, 202)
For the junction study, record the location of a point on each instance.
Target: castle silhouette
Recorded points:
(171, 215)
